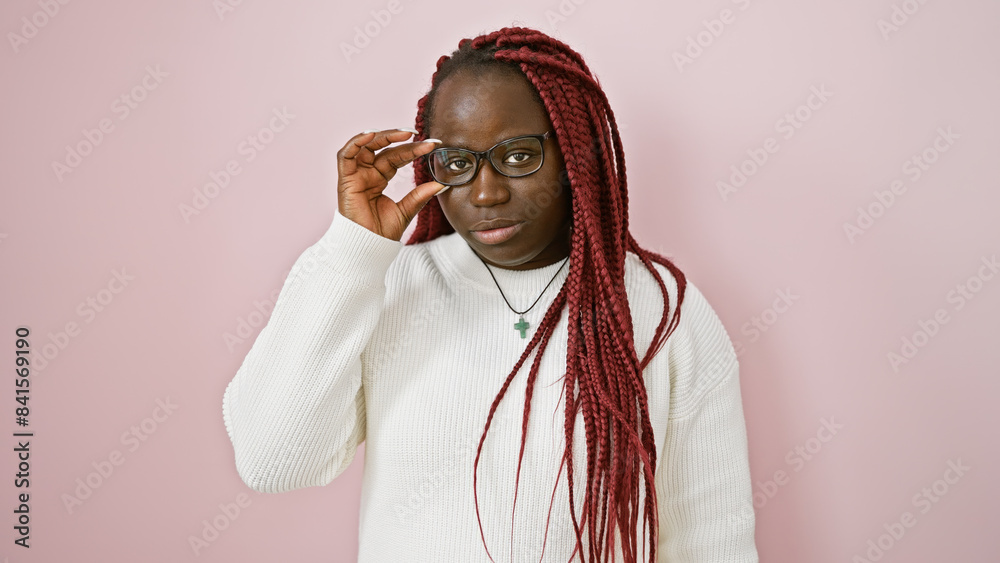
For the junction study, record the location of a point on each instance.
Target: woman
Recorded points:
(521, 243)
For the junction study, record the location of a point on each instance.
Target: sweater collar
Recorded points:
(521, 287)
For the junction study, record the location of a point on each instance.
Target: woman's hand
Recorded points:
(363, 174)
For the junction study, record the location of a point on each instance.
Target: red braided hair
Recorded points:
(600, 359)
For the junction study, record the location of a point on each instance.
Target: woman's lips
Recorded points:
(497, 236)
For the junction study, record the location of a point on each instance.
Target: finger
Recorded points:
(355, 144)
(370, 185)
(345, 156)
(390, 160)
(412, 202)
(363, 146)
(382, 139)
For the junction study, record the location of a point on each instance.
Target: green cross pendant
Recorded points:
(521, 325)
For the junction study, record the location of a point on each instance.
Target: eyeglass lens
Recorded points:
(517, 157)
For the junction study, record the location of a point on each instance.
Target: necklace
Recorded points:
(521, 325)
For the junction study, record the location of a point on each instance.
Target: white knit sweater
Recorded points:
(404, 347)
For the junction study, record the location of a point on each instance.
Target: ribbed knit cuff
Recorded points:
(357, 252)
(226, 418)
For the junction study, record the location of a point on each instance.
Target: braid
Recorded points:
(603, 372)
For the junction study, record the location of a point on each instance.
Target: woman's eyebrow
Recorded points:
(447, 144)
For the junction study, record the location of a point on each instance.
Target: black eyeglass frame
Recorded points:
(487, 153)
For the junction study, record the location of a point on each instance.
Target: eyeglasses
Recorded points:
(513, 158)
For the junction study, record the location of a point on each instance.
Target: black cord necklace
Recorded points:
(521, 325)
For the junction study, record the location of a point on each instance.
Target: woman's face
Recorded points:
(476, 112)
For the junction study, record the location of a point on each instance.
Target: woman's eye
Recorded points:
(457, 165)
(517, 157)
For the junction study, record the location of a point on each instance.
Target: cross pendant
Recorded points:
(522, 326)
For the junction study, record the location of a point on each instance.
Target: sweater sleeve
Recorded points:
(295, 410)
(703, 475)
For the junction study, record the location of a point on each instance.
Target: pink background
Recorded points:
(196, 279)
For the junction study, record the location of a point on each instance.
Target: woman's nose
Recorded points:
(488, 187)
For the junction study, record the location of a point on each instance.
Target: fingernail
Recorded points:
(370, 131)
(414, 131)
(431, 141)
(439, 192)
